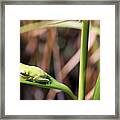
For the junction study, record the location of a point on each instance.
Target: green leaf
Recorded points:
(55, 23)
(96, 95)
(35, 76)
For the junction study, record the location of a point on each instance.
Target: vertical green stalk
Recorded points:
(83, 59)
(96, 95)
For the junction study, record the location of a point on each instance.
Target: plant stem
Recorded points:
(96, 95)
(83, 59)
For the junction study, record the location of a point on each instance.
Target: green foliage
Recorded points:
(96, 95)
(34, 76)
(46, 24)
(83, 59)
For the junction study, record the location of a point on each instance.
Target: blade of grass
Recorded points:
(96, 95)
(46, 24)
(83, 59)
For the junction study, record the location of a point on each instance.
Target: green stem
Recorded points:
(96, 95)
(83, 59)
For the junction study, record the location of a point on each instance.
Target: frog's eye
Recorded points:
(24, 73)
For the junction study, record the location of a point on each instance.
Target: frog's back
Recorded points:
(31, 70)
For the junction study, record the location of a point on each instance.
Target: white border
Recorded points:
(15, 13)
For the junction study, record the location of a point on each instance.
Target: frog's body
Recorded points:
(34, 74)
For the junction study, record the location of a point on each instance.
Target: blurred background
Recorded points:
(57, 51)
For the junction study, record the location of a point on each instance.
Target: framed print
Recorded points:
(60, 59)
